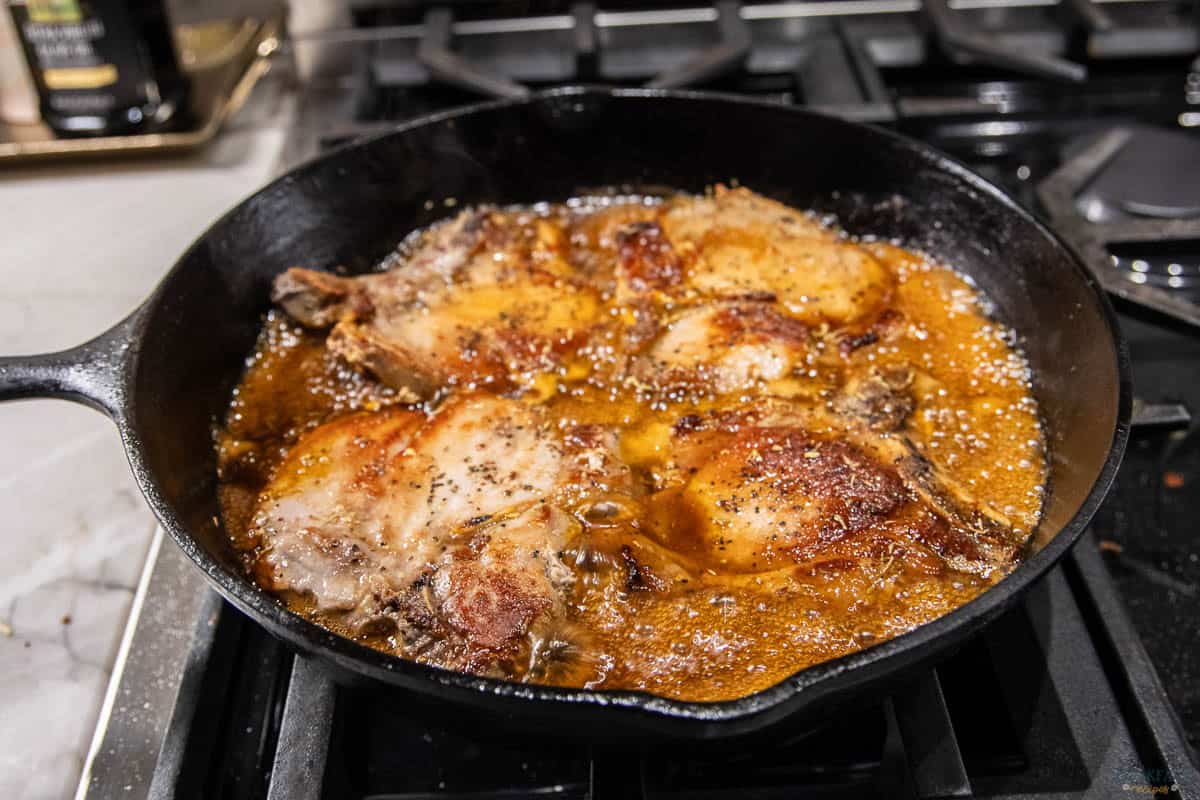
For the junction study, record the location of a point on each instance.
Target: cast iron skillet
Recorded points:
(165, 373)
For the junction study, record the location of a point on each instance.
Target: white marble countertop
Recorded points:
(80, 246)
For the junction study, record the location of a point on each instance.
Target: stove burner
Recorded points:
(1156, 174)
(1176, 266)
(1136, 239)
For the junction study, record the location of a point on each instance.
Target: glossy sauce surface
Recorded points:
(719, 627)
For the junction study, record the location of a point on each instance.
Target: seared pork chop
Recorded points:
(482, 301)
(446, 528)
(768, 483)
(739, 244)
(723, 348)
(754, 498)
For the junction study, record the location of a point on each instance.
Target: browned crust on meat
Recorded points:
(491, 609)
(885, 327)
(673, 371)
(854, 491)
(886, 494)
(639, 576)
(759, 322)
(648, 261)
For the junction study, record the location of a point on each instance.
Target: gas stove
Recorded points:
(1089, 689)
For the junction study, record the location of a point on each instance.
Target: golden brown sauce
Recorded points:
(722, 634)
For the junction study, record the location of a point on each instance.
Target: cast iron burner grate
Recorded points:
(1169, 243)
(1056, 699)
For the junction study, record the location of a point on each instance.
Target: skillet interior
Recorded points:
(351, 207)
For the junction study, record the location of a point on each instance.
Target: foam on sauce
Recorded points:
(724, 634)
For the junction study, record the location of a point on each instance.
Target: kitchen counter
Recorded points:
(80, 247)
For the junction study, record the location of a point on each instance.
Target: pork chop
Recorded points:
(723, 348)
(443, 528)
(770, 483)
(739, 244)
(486, 300)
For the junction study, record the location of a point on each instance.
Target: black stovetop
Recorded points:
(1056, 699)
(1090, 688)
(1147, 528)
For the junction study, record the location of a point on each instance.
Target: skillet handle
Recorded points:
(94, 373)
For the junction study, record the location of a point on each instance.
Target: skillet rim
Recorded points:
(783, 697)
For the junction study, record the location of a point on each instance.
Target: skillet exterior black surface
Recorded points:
(164, 374)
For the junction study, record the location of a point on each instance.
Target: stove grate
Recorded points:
(1056, 699)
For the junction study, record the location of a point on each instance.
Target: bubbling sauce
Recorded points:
(726, 629)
